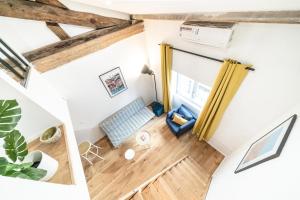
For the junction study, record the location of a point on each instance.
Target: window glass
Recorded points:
(192, 90)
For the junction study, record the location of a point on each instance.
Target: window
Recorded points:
(191, 90)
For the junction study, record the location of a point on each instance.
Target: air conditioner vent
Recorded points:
(216, 35)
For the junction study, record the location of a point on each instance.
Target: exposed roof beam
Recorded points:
(54, 55)
(43, 12)
(52, 3)
(57, 30)
(55, 27)
(284, 17)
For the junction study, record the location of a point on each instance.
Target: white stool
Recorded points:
(129, 154)
(85, 148)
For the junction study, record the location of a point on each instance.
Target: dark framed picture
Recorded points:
(113, 81)
(268, 146)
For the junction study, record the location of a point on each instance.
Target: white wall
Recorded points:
(264, 95)
(276, 179)
(79, 83)
(34, 119)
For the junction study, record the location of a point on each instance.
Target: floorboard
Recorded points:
(115, 176)
(59, 152)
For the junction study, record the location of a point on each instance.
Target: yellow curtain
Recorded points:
(230, 77)
(166, 67)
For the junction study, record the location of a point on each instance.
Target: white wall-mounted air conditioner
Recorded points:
(207, 35)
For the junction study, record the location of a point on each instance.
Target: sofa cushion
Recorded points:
(126, 121)
(123, 114)
(178, 119)
(185, 113)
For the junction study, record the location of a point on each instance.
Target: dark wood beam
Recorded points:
(53, 3)
(57, 30)
(57, 54)
(282, 17)
(43, 12)
(55, 27)
(210, 24)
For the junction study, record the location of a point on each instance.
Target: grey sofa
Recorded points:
(126, 121)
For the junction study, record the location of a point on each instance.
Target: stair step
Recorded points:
(163, 185)
(189, 191)
(203, 196)
(193, 173)
(198, 169)
(137, 196)
(147, 195)
(151, 193)
(194, 180)
(154, 192)
(174, 185)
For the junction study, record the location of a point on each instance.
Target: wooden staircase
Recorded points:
(185, 179)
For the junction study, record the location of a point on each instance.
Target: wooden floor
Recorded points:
(115, 176)
(58, 151)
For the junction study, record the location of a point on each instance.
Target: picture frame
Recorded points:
(113, 81)
(268, 146)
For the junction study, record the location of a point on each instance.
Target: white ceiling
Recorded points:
(177, 6)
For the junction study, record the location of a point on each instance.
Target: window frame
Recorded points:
(194, 87)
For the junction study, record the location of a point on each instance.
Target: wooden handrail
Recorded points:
(151, 180)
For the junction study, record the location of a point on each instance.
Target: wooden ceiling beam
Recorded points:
(42, 12)
(282, 17)
(57, 30)
(55, 27)
(57, 54)
(52, 3)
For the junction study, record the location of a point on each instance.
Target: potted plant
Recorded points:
(43, 161)
(16, 149)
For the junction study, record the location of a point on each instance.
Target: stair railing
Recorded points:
(16, 66)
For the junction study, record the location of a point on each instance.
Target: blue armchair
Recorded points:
(187, 114)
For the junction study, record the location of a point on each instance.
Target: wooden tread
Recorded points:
(137, 196)
(184, 180)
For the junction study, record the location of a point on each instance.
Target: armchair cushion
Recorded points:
(171, 113)
(184, 111)
(188, 125)
(178, 119)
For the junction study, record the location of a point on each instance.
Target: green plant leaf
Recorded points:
(23, 170)
(28, 173)
(15, 146)
(3, 165)
(10, 114)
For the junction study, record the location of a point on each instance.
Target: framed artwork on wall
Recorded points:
(113, 82)
(268, 146)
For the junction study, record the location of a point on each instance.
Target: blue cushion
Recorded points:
(185, 113)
